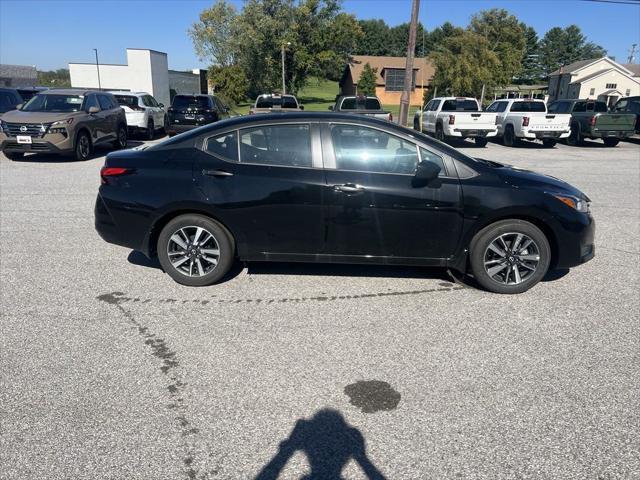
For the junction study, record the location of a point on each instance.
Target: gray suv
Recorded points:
(65, 121)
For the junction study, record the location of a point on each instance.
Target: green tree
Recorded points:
(375, 38)
(505, 37)
(54, 78)
(465, 63)
(367, 81)
(564, 46)
(531, 68)
(230, 83)
(434, 39)
(214, 34)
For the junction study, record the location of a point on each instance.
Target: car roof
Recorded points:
(192, 95)
(71, 91)
(123, 92)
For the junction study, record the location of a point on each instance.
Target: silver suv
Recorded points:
(65, 121)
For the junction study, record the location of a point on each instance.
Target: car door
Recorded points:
(267, 181)
(96, 121)
(374, 208)
(156, 111)
(432, 115)
(501, 114)
(108, 116)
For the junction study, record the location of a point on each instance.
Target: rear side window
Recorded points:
(284, 145)
(522, 107)
(225, 146)
(366, 149)
(460, 105)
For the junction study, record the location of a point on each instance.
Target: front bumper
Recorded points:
(576, 242)
(55, 143)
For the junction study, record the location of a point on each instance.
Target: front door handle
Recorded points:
(349, 188)
(217, 173)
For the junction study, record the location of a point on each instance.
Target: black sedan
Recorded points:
(326, 187)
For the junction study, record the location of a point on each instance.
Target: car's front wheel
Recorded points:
(83, 147)
(509, 139)
(510, 256)
(150, 130)
(195, 250)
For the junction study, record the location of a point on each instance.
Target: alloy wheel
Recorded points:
(122, 137)
(84, 147)
(512, 258)
(193, 251)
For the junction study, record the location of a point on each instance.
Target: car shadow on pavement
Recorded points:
(329, 443)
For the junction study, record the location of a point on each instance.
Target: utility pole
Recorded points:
(97, 68)
(408, 71)
(284, 86)
(632, 53)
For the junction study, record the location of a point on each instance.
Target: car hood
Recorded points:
(521, 178)
(19, 116)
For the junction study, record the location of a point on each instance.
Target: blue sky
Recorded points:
(67, 31)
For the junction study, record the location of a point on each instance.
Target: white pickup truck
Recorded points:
(528, 119)
(456, 117)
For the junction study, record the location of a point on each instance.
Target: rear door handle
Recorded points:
(217, 173)
(349, 188)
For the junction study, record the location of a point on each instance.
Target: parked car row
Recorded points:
(516, 119)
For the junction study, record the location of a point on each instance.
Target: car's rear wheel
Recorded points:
(481, 142)
(549, 142)
(150, 130)
(611, 142)
(14, 155)
(575, 137)
(82, 150)
(195, 250)
(121, 138)
(510, 256)
(509, 138)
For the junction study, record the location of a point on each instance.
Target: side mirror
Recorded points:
(331, 107)
(161, 105)
(301, 107)
(425, 173)
(93, 110)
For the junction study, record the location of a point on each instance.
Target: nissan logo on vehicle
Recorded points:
(23, 128)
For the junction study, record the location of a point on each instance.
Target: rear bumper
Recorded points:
(472, 132)
(111, 232)
(610, 133)
(543, 134)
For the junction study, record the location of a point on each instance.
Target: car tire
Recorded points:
(416, 124)
(83, 147)
(481, 142)
(549, 142)
(150, 132)
(121, 138)
(165, 125)
(509, 139)
(498, 268)
(440, 133)
(14, 155)
(575, 137)
(610, 142)
(189, 257)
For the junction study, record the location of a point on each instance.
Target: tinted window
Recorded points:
(634, 106)
(54, 103)
(288, 145)
(370, 150)
(361, 103)
(621, 106)
(601, 107)
(528, 107)
(268, 101)
(190, 101)
(105, 102)
(127, 100)
(8, 101)
(428, 156)
(152, 101)
(460, 105)
(436, 104)
(580, 107)
(225, 146)
(559, 107)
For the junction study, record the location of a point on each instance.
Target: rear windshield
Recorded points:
(127, 100)
(361, 103)
(283, 102)
(190, 101)
(54, 103)
(460, 105)
(528, 107)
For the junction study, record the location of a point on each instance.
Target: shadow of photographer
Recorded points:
(329, 443)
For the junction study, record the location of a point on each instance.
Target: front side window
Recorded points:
(284, 145)
(92, 101)
(105, 102)
(225, 146)
(54, 103)
(369, 150)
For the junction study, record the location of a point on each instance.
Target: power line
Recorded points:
(620, 2)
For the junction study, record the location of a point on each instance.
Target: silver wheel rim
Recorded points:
(512, 258)
(83, 146)
(193, 251)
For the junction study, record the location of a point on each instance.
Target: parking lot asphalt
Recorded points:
(110, 370)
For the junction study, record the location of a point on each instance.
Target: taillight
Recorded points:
(390, 117)
(106, 172)
(592, 121)
(452, 119)
(525, 121)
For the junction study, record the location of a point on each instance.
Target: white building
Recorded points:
(600, 78)
(145, 71)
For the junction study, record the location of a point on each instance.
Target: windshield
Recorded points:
(528, 107)
(54, 103)
(127, 100)
(190, 101)
(269, 102)
(457, 105)
(360, 103)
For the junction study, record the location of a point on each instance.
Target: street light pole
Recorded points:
(97, 68)
(284, 86)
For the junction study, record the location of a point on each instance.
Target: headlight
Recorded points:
(62, 123)
(579, 204)
(3, 126)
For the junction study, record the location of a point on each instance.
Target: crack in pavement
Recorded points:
(175, 384)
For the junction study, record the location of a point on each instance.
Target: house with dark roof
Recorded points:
(18, 76)
(600, 78)
(389, 77)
